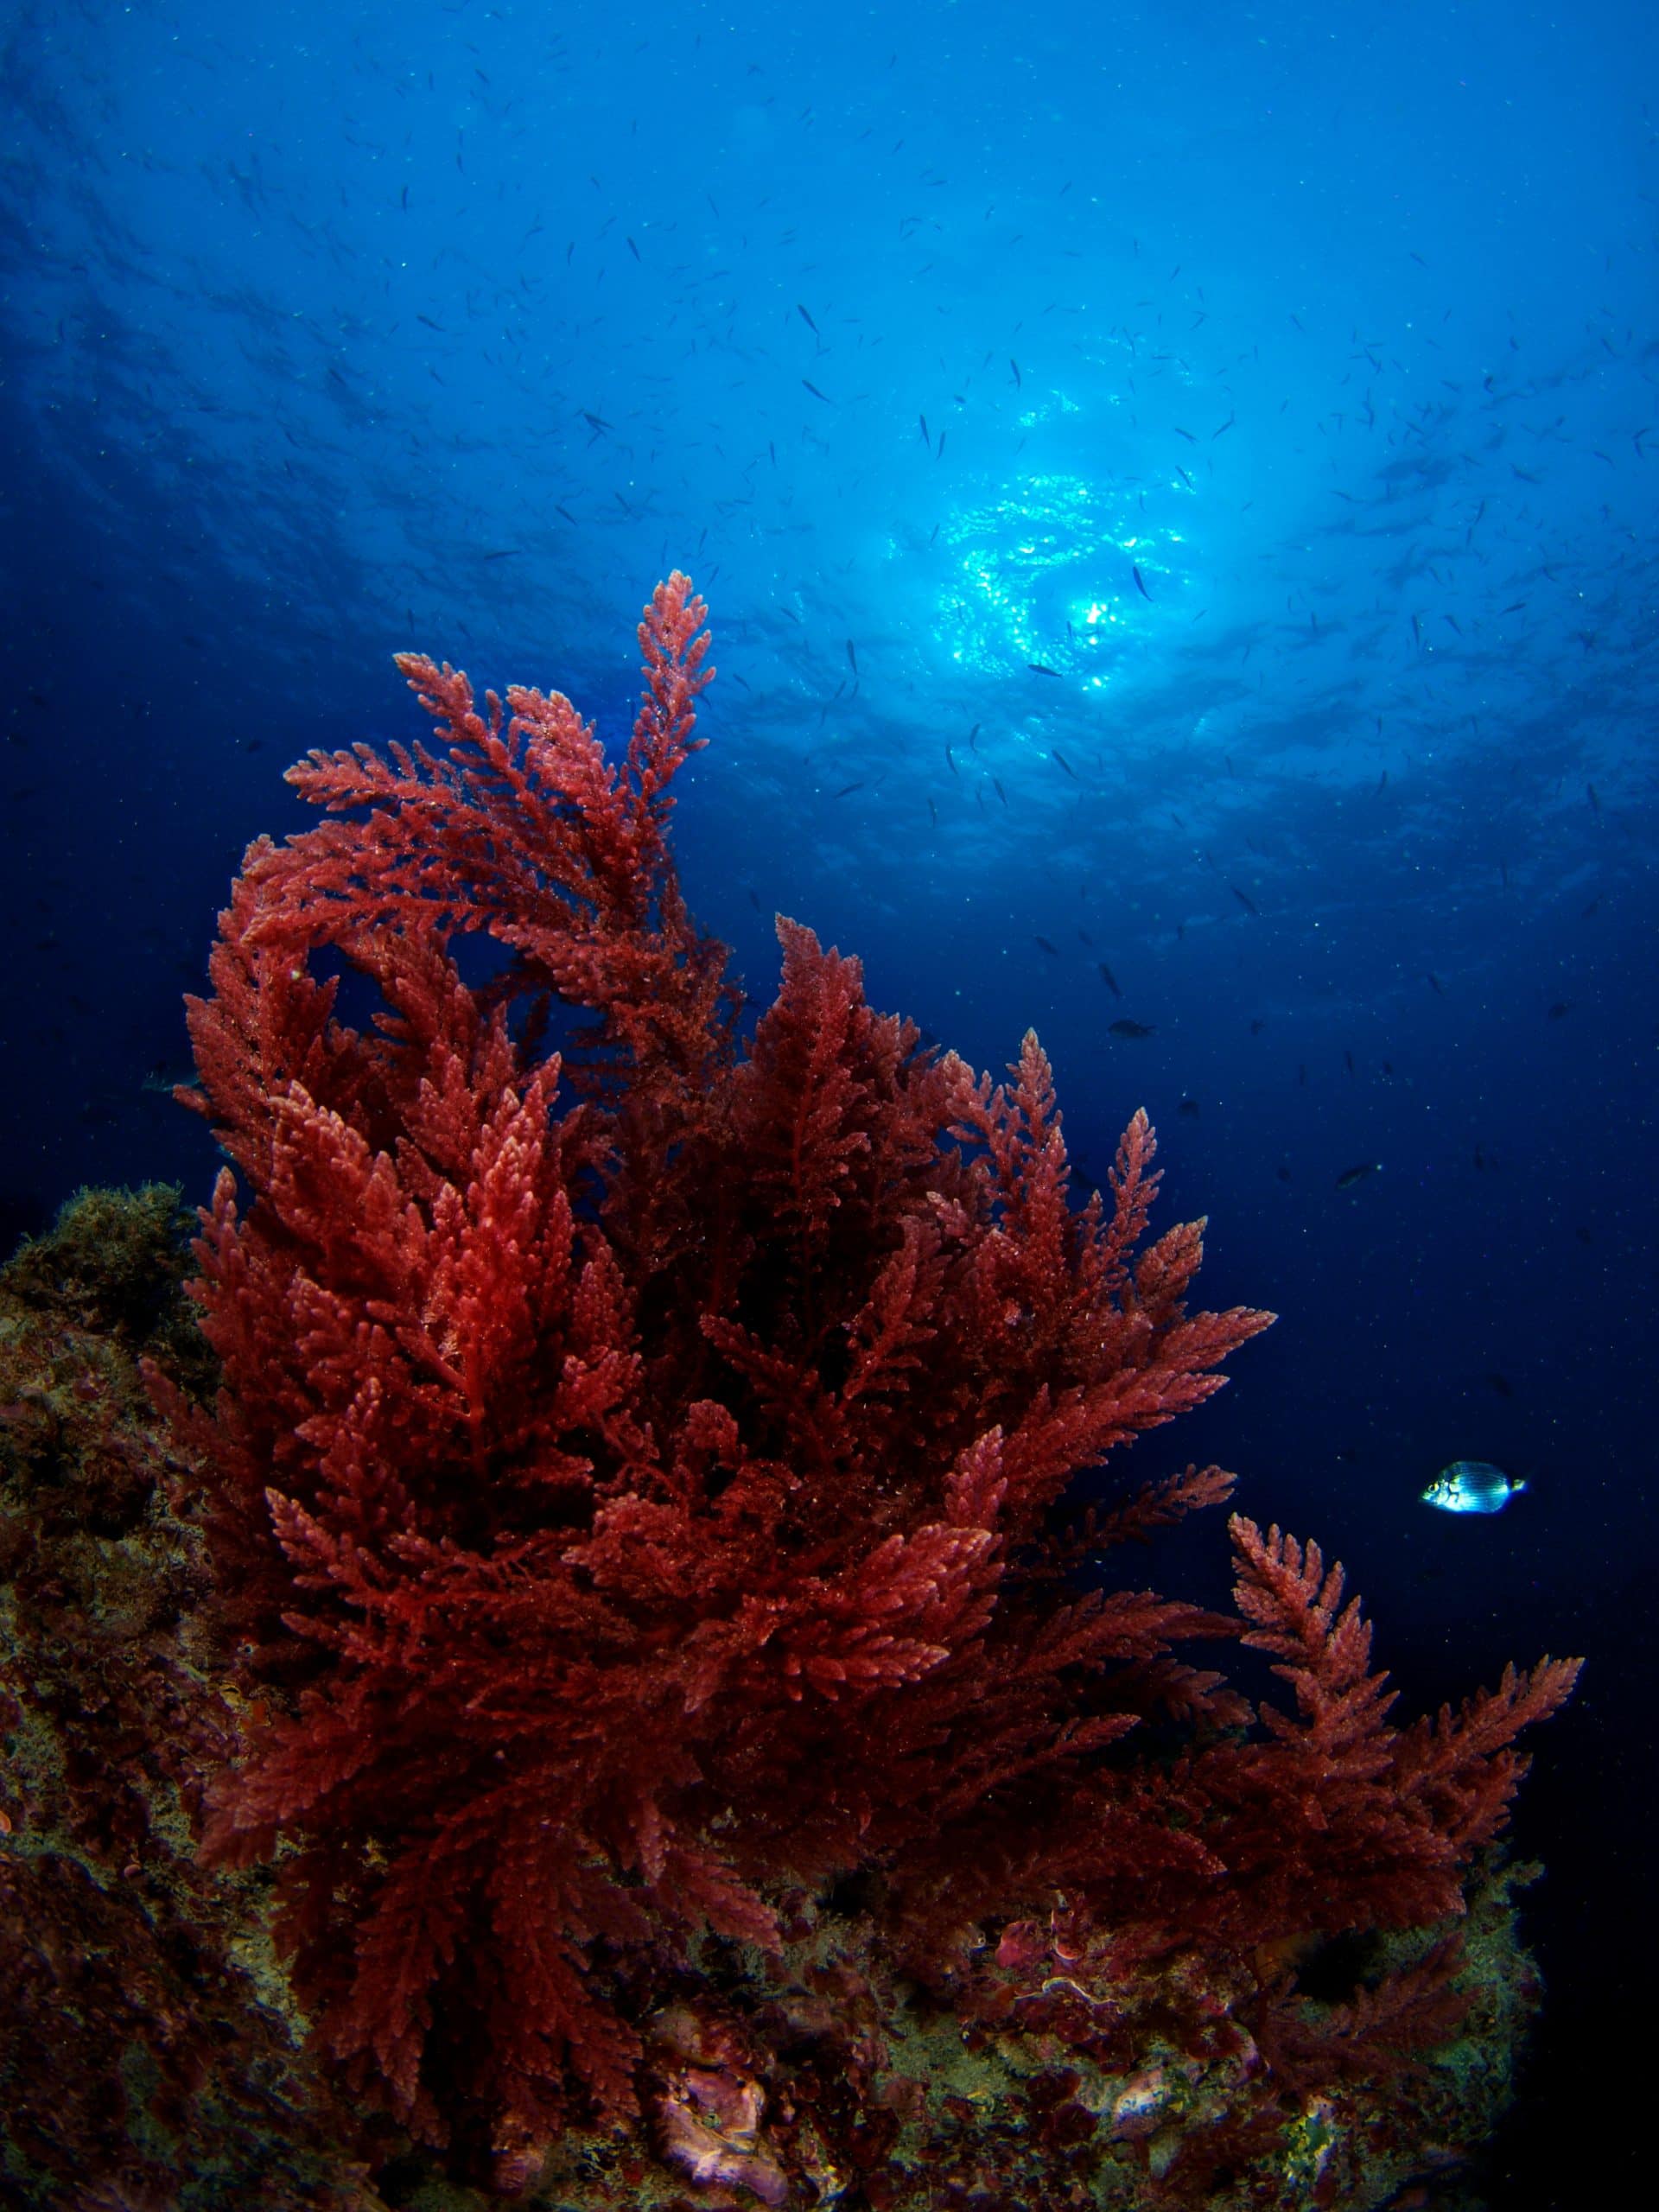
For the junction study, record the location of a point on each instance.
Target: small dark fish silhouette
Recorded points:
(1041, 668)
(1046, 946)
(852, 657)
(169, 1078)
(847, 790)
(1063, 762)
(1140, 583)
(1430, 977)
(1247, 903)
(1562, 1006)
(1108, 979)
(1018, 379)
(1189, 1105)
(1350, 1176)
(817, 394)
(806, 318)
(1127, 1028)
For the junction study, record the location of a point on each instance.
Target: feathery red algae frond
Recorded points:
(636, 1468)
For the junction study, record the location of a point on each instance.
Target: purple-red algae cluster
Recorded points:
(598, 1692)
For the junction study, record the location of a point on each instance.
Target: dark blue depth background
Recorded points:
(1174, 487)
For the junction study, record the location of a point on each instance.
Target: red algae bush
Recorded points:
(704, 1757)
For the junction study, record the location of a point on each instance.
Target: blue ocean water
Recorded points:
(1174, 487)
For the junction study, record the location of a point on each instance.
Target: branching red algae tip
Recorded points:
(705, 1753)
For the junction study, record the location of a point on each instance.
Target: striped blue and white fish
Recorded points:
(1471, 1486)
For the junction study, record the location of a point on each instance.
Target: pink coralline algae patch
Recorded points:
(713, 2156)
(708, 2114)
(1139, 2105)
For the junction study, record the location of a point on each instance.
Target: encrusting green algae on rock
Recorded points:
(148, 2056)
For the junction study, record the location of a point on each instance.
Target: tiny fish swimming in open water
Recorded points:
(1350, 1176)
(1471, 1486)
